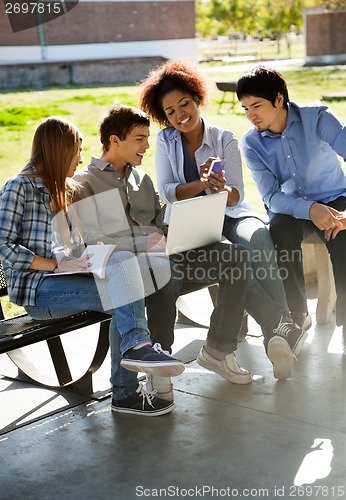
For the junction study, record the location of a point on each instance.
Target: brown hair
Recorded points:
(55, 143)
(120, 120)
(172, 75)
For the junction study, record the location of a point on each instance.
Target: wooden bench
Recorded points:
(227, 87)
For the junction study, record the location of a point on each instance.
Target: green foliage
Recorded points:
(266, 18)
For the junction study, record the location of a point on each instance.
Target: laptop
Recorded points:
(195, 222)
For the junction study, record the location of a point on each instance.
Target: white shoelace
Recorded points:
(283, 329)
(157, 347)
(147, 396)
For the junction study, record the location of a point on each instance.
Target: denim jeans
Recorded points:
(220, 263)
(266, 298)
(252, 234)
(161, 308)
(64, 295)
(229, 266)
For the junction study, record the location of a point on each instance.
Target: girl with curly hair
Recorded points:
(172, 95)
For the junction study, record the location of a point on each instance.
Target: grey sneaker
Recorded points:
(162, 386)
(228, 368)
(281, 356)
(292, 333)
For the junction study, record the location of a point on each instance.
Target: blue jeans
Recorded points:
(252, 234)
(64, 295)
(266, 298)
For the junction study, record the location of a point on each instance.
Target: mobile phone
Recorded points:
(216, 166)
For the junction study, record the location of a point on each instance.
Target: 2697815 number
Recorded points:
(33, 7)
(307, 491)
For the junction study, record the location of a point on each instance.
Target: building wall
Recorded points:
(105, 29)
(325, 36)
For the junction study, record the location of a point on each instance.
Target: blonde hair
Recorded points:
(55, 143)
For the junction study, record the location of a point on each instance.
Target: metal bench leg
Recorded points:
(59, 360)
(84, 385)
(222, 101)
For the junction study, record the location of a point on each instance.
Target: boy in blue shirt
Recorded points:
(292, 152)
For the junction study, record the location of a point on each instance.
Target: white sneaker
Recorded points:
(161, 385)
(281, 355)
(228, 368)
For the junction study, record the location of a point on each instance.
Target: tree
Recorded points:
(274, 18)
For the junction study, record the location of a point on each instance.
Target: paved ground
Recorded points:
(269, 439)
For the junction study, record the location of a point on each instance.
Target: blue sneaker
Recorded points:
(153, 361)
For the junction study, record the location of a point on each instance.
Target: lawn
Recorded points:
(22, 110)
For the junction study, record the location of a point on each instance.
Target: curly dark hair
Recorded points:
(172, 75)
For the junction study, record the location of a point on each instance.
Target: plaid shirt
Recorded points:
(25, 231)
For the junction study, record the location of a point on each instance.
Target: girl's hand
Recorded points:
(215, 182)
(81, 264)
(203, 173)
(204, 168)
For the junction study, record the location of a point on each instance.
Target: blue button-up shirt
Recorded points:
(294, 169)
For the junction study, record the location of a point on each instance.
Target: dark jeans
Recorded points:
(230, 266)
(288, 234)
(220, 263)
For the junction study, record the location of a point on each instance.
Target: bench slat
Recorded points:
(22, 330)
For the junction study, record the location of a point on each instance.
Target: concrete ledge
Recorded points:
(316, 257)
(42, 74)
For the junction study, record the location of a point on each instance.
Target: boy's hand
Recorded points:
(324, 217)
(332, 233)
(156, 242)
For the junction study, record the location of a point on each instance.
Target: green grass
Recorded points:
(22, 110)
(264, 50)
